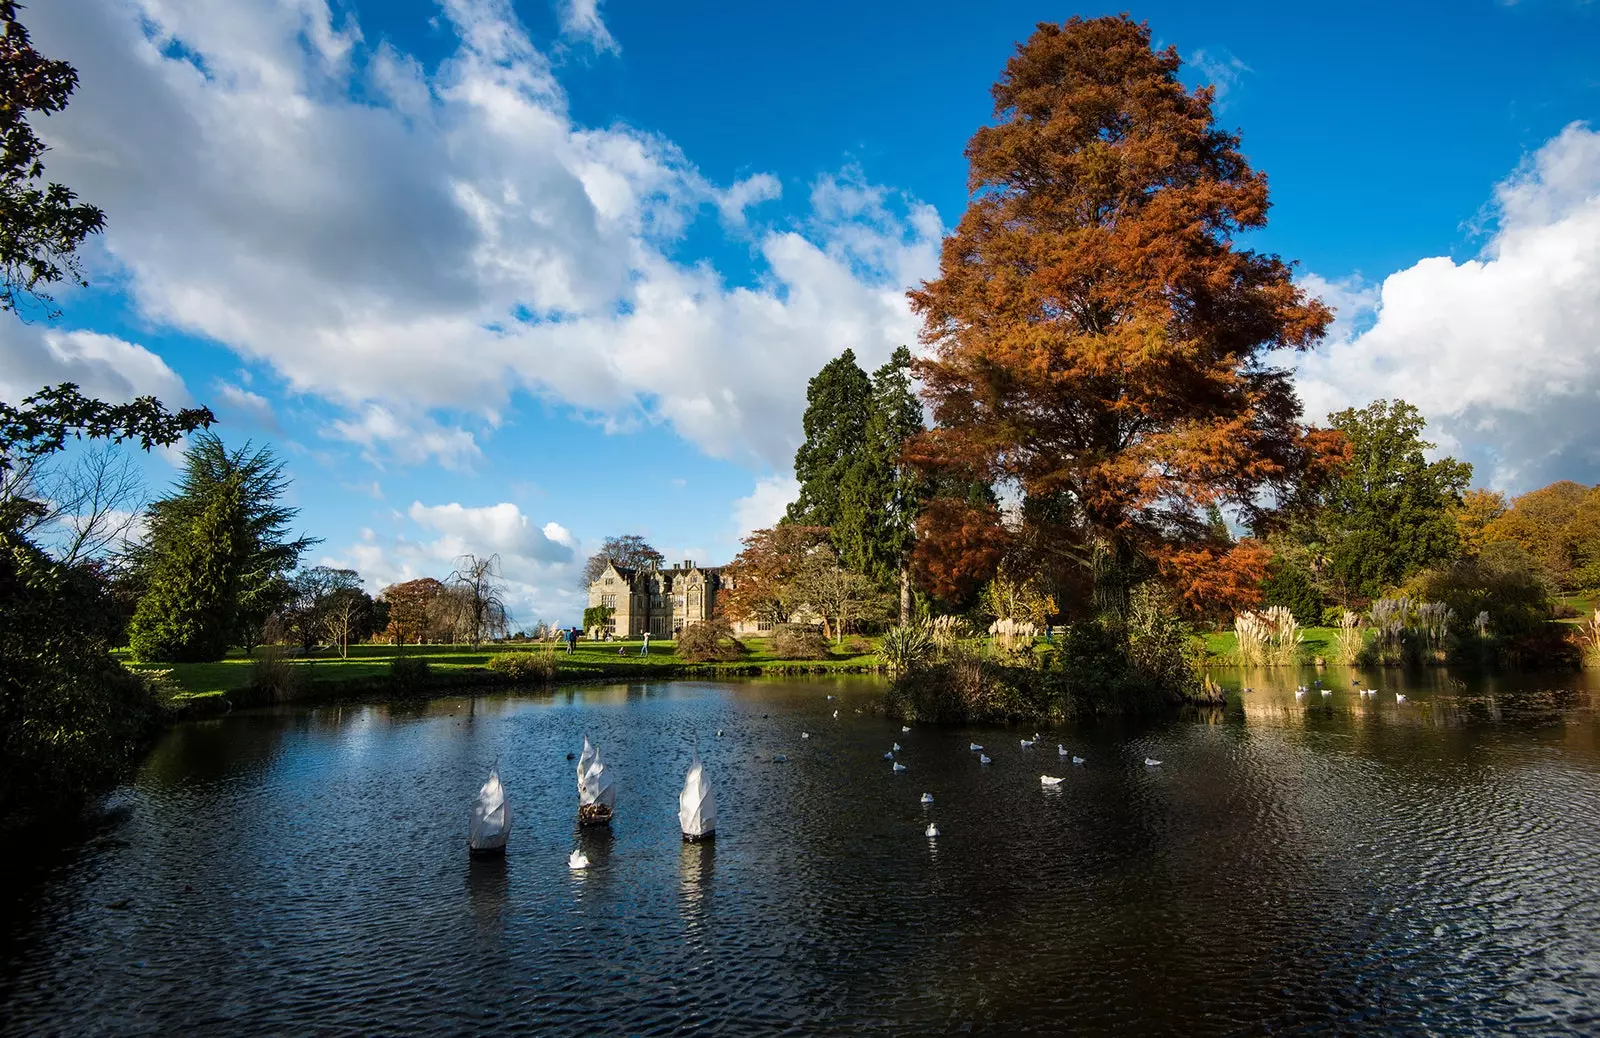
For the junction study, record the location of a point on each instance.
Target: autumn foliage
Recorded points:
(1096, 336)
(1217, 581)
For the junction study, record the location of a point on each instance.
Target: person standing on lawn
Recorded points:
(644, 650)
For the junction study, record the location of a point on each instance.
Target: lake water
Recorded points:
(1327, 864)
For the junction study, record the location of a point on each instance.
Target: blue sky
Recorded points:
(513, 279)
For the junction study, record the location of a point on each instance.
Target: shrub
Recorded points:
(1333, 615)
(709, 641)
(409, 673)
(71, 716)
(798, 642)
(274, 678)
(1351, 636)
(525, 668)
(906, 648)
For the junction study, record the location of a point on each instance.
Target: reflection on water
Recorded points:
(1326, 864)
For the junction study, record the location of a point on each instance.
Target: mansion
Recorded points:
(660, 601)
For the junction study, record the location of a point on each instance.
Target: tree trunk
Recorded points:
(905, 595)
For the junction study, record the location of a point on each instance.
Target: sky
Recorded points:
(511, 278)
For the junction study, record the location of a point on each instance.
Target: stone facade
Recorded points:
(661, 601)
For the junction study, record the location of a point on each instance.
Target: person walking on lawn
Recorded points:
(572, 639)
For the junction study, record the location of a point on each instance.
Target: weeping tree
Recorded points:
(478, 587)
(1098, 341)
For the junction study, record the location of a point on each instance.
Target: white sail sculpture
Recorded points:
(490, 826)
(597, 790)
(697, 805)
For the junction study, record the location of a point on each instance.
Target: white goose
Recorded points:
(904, 729)
(927, 798)
(781, 759)
(805, 735)
(1399, 697)
(932, 831)
(836, 715)
(898, 766)
(1049, 780)
(974, 747)
(889, 755)
(896, 748)
(984, 759)
(1061, 751)
(1077, 760)
(1027, 744)
(578, 860)
(1151, 762)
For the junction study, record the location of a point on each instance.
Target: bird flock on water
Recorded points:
(492, 822)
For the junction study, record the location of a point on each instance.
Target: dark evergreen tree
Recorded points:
(882, 495)
(262, 553)
(188, 613)
(838, 408)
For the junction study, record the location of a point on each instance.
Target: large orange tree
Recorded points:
(1098, 340)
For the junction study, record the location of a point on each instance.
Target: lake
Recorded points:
(1322, 864)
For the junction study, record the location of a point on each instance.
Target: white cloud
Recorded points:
(752, 190)
(539, 566)
(1222, 70)
(765, 505)
(251, 405)
(102, 366)
(1501, 352)
(581, 18)
(409, 440)
(492, 529)
(455, 237)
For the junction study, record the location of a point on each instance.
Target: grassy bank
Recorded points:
(368, 668)
(1222, 647)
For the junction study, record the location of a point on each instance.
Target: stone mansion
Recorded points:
(661, 601)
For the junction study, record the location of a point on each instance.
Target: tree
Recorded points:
(39, 427)
(838, 407)
(478, 582)
(258, 547)
(766, 579)
(42, 226)
(313, 592)
(71, 716)
(347, 616)
(408, 605)
(187, 615)
(840, 596)
(1479, 508)
(882, 495)
(1559, 527)
(1215, 581)
(628, 550)
(1389, 511)
(1096, 335)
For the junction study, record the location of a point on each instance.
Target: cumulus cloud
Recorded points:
(419, 256)
(492, 529)
(103, 366)
(538, 565)
(765, 505)
(1501, 352)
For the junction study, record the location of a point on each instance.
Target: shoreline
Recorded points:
(382, 688)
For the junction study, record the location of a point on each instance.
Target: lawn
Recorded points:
(1223, 646)
(590, 660)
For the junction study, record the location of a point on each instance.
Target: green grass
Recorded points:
(591, 660)
(1319, 641)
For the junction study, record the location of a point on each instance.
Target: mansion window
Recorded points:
(608, 601)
